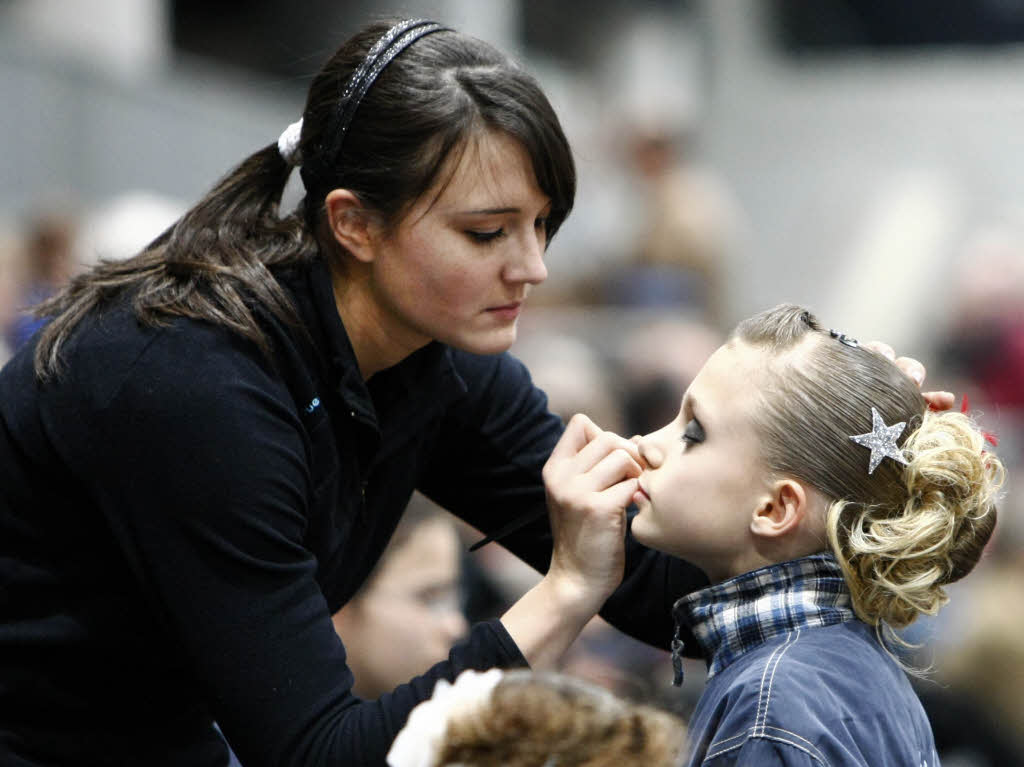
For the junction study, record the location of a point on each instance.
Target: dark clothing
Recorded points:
(180, 515)
(795, 679)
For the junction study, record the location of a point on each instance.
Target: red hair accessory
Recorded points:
(991, 438)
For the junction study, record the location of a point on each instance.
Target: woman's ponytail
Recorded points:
(211, 264)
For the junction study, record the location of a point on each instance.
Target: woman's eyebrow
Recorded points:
(490, 211)
(498, 210)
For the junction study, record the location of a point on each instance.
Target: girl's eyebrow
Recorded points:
(689, 404)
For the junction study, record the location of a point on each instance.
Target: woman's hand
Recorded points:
(590, 479)
(937, 400)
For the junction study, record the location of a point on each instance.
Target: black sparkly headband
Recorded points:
(391, 43)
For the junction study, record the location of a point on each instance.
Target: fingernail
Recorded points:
(918, 376)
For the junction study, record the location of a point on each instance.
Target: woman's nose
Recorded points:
(528, 264)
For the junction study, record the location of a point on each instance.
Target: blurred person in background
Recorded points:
(656, 361)
(688, 226)
(985, 339)
(408, 613)
(532, 719)
(10, 277)
(977, 705)
(49, 262)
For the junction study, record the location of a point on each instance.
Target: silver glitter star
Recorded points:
(881, 440)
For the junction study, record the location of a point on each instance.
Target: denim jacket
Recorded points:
(796, 679)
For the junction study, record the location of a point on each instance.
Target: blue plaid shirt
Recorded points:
(737, 615)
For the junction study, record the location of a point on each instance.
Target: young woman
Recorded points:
(207, 449)
(828, 507)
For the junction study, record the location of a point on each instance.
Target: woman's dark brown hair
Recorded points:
(214, 263)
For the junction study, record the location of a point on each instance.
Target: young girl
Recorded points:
(806, 477)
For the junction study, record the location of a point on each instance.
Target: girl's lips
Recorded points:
(641, 493)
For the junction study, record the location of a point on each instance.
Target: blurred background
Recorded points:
(862, 157)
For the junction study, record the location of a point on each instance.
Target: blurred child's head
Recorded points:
(759, 467)
(524, 718)
(408, 614)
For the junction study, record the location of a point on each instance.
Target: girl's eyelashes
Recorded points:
(693, 433)
(489, 236)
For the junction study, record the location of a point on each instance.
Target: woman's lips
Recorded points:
(507, 311)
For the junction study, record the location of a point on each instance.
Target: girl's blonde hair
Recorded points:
(903, 532)
(533, 719)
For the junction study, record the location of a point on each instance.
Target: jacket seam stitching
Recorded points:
(761, 697)
(810, 751)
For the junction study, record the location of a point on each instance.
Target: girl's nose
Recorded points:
(649, 450)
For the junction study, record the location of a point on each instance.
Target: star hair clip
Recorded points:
(881, 440)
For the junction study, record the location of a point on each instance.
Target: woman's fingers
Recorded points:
(882, 348)
(585, 446)
(578, 432)
(614, 467)
(937, 400)
(912, 368)
(607, 443)
(908, 365)
(620, 495)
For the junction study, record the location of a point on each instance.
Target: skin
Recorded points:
(408, 616)
(705, 494)
(457, 268)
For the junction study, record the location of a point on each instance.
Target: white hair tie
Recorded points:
(288, 143)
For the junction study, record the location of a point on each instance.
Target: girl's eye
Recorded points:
(485, 236)
(541, 223)
(693, 433)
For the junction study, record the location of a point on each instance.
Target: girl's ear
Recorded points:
(782, 510)
(351, 224)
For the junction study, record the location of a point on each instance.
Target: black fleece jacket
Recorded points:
(180, 514)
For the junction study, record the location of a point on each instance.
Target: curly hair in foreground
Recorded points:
(536, 719)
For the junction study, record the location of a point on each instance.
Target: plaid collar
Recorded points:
(737, 615)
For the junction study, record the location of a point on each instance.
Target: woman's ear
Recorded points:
(351, 224)
(782, 510)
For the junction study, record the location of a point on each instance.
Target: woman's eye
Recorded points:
(541, 223)
(489, 236)
(693, 433)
